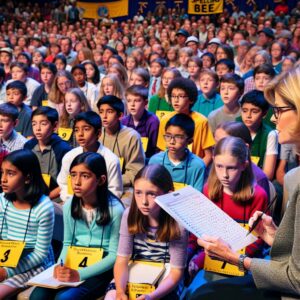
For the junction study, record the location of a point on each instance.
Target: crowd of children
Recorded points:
(99, 118)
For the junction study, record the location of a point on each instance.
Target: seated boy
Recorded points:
(47, 146)
(15, 94)
(125, 142)
(183, 94)
(87, 129)
(185, 167)
(224, 66)
(231, 89)
(138, 118)
(264, 151)
(9, 138)
(209, 99)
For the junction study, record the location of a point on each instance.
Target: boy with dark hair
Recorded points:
(125, 142)
(183, 93)
(141, 120)
(231, 89)
(47, 146)
(87, 129)
(10, 139)
(264, 151)
(156, 67)
(48, 72)
(16, 92)
(224, 66)
(185, 167)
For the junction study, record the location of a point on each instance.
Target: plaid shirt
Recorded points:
(15, 141)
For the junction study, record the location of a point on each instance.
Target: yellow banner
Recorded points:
(205, 7)
(94, 10)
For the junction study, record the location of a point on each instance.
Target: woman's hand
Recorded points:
(65, 274)
(3, 274)
(265, 229)
(216, 248)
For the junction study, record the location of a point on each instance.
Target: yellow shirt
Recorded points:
(203, 137)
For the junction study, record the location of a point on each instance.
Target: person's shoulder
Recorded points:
(198, 117)
(115, 204)
(129, 133)
(196, 161)
(215, 113)
(260, 192)
(150, 116)
(157, 158)
(32, 82)
(73, 153)
(107, 154)
(20, 137)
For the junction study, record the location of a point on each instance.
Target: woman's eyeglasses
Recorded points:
(278, 110)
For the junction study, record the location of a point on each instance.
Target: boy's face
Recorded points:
(155, 69)
(14, 96)
(261, 80)
(207, 84)
(135, 105)
(85, 134)
(252, 116)
(221, 70)
(18, 74)
(229, 93)
(109, 116)
(178, 139)
(79, 76)
(42, 128)
(47, 76)
(193, 68)
(6, 126)
(180, 101)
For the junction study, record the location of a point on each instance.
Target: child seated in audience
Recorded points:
(264, 150)
(123, 141)
(140, 76)
(47, 146)
(231, 89)
(16, 92)
(224, 66)
(183, 94)
(184, 54)
(87, 129)
(138, 118)
(209, 99)
(48, 72)
(185, 167)
(10, 138)
(156, 67)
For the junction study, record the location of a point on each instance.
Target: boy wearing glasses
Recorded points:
(183, 94)
(185, 167)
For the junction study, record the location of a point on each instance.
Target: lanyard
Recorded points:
(4, 215)
(115, 143)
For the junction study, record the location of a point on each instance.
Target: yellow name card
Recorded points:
(47, 179)
(44, 102)
(134, 290)
(82, 257)
(161, 113)
(178, 185)
(121, 163)
(69, 184)
(255, 159)
(10, 253)
(145, 141)
(65, 133)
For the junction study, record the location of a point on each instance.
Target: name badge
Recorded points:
(69, 184)
(44, 102)
(178, 185)
(47, 179)
(121, 162)
(222, 267)
(10, 253)
(65, 133)
(190, 147)
(82, 257)
(135, 290)
(145, 141)
(255, 159)
(161, 113)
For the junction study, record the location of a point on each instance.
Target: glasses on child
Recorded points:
(278, 110)
(180, 97)
(178, 138)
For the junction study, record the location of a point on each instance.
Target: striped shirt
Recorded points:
(15, 141)
(39, 233)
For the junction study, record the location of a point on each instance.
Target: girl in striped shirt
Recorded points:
(26, 215)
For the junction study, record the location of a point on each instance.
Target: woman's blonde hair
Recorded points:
(64, 120)
(237, 148)
(287, 87)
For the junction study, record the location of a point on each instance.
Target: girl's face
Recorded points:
(206, 62)
(220, 54)
(261, 80)
(155, 69)
(79, 77)
(193, 69)
(37, 58)
(287, 65)
(63, 84)
(47, 76)
(144, 193)
(171, 55)
(59, 65)
(276, 51)
(228, 170)
(130, 64)
(259, 60)
(166, 79)
(12, 179)
(84, 183)
(136, 79)
(72, 105)
(81, 56)
(108, 86)
(90, 71)
(183, 58)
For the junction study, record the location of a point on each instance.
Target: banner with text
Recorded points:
(205, 7)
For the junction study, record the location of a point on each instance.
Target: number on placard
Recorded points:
(64, 135)
(6, 254)
(83, 263)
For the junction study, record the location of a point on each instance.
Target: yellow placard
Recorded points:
(134, 290)
(69, 184)
(47, 179)
(44, 102)
(222, 267)
(82, 257)
(145, 141)
(205, 7)
(65, 133)
(190, 147)
(121, 162)
(255, 159)
(161, 113)
(10, 253)
(178, 185)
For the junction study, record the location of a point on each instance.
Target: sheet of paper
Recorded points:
(201, 216)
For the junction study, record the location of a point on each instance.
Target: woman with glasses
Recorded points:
(279, 276)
